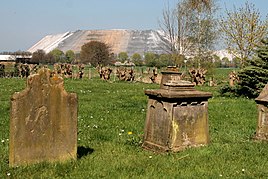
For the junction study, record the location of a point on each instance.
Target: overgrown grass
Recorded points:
(110, 112)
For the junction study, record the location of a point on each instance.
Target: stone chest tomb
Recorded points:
(43, 122)
(177, 116)
(262, 102)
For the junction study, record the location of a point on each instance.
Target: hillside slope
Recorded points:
(130, 41)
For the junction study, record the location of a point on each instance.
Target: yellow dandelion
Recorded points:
(129, 133)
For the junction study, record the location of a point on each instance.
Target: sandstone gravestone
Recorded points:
(177, 117)
(43, 121)
(262, 101)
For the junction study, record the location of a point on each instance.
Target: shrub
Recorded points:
(229, 91)
(254, 77)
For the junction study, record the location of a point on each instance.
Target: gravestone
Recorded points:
(177, 116)
(262, 102)
(43, 121)
(233, 78)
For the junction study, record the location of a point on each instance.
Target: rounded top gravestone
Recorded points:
(43, 121)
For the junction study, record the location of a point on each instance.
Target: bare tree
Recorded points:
(205, 26)
(167, 24)
(243, 30)
(175, 23)
(190, 26)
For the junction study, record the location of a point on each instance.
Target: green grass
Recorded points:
(108, 111)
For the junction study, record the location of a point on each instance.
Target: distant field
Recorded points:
(109, 110)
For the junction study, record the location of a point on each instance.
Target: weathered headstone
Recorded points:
(43, 121)
(233, 78)
(177, 117)
(262, 102)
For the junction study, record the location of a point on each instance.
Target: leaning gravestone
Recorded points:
(43, 121)
(262, 102)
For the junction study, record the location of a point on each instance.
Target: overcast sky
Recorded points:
(25, 22)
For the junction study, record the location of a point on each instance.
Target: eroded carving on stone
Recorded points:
(43, 121)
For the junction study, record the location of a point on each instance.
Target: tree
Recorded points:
(225, 62)
(69, 56)
(176, 24)
(236, 62)
(96, 53)
(58, 55)
(216, 61)
(123, 56)
(190, 27)
(38, 56)
(136, 59)
(254, 77)
(165, 60)
(203, 10)
(150, 59)
(49, 58)
(243, 31)
(199, 5)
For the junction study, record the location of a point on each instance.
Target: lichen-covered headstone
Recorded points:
(43, 122)
(262, 128)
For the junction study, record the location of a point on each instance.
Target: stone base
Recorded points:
(159, 149)
(261, 137)
(154, 147)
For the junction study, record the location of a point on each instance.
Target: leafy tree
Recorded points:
(243, 31)
(155, 60)
(137, 59)
(38, 56)
(58, 55)
(150, 59)
(49, 58)
(95, 52)
(123, 56)
(254, 77)
(236, 62)
(179, 60)
(199, 5)
(70, 56)
(165, 60)
(226, 62)
(217, 61)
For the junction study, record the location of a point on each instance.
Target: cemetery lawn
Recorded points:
(111, 118)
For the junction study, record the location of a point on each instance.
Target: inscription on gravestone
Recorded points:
(43, 121)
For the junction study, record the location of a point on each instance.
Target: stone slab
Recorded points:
(43, 122)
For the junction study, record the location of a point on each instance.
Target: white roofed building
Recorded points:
(7, 58)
